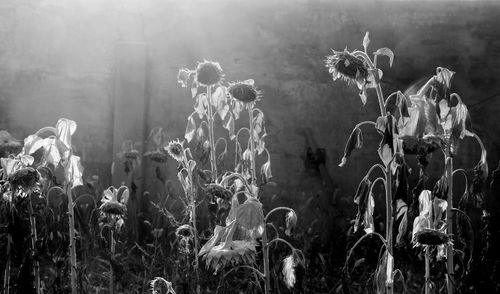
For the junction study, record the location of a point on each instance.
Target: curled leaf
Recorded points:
(366, 40)
(387, 52)
(355, 141)
(229, 125)
(190, 129)
(291, 222)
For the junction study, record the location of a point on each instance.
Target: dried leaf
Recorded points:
(190, 129)
(251, 217)
(229, 126)
(366, 41)
(355, 141)
(387, 52)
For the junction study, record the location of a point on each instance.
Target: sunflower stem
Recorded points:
(449, 221)
(388, 233)
(191, 195)
(112, 253)
(276, 209)
(72, 243)
(265, 257)
(36, 265)
(427, 271)
(252, 145)
(213, 162)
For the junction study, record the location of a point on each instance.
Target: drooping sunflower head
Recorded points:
(431, 237)
(158, 156)
(184, 231)
(342, 64)
(244, 91)
(218, 191)
(26, 178)
(208, 73)
(113, 208)
(176, 150)
(230, 255)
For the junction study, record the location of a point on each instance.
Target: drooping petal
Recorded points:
(73, 171)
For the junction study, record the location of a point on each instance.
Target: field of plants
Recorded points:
(60, 233)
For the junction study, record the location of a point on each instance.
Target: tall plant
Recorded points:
(58, 154)
(210, 100)
(232, 247)
(357, 67)
(418, 124)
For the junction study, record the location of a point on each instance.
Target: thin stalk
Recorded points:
(33, 238)
(389, 284)
(252, 144)
(111, 272)
(276, 209)
(191, 194)
(449, 222)
(213, 162)
(6, 277)
(72, 239)
(427, 271)
(265, 253)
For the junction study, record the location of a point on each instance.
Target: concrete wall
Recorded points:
(58, 59)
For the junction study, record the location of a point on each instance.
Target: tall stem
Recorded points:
(449, 222)
(111, 272)
(252, 144)
(427, 270)
(72, 239)
(192, 197)
(36, 265)
(6, 277)
(389, 283)
(213, 161)
(265, 253)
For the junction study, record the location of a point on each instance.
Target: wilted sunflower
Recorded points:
(131, 155)
(176, 150)
(244, 91)
(291, 222)
(344, 65)
(431, 237)
(156, 156)
(217, 191)
(428, 228)
(111, 205)
(184, 231)
(26, 178)
(208, 73)
(230, 254)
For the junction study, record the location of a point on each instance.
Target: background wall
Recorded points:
(59, 58)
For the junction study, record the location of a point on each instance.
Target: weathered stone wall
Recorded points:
(58, 59)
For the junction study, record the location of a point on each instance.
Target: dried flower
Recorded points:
(244, 91)
(131, 155)
(208, 73)
(230, 254)
(428, 228)
(218, 191)
(156, 156)
(176, 150)
(184, 231)
(168, 285)
(114, 201)
(289, 264)
(26, 178)
(291, 222)
(344, 65)
(431, 237)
